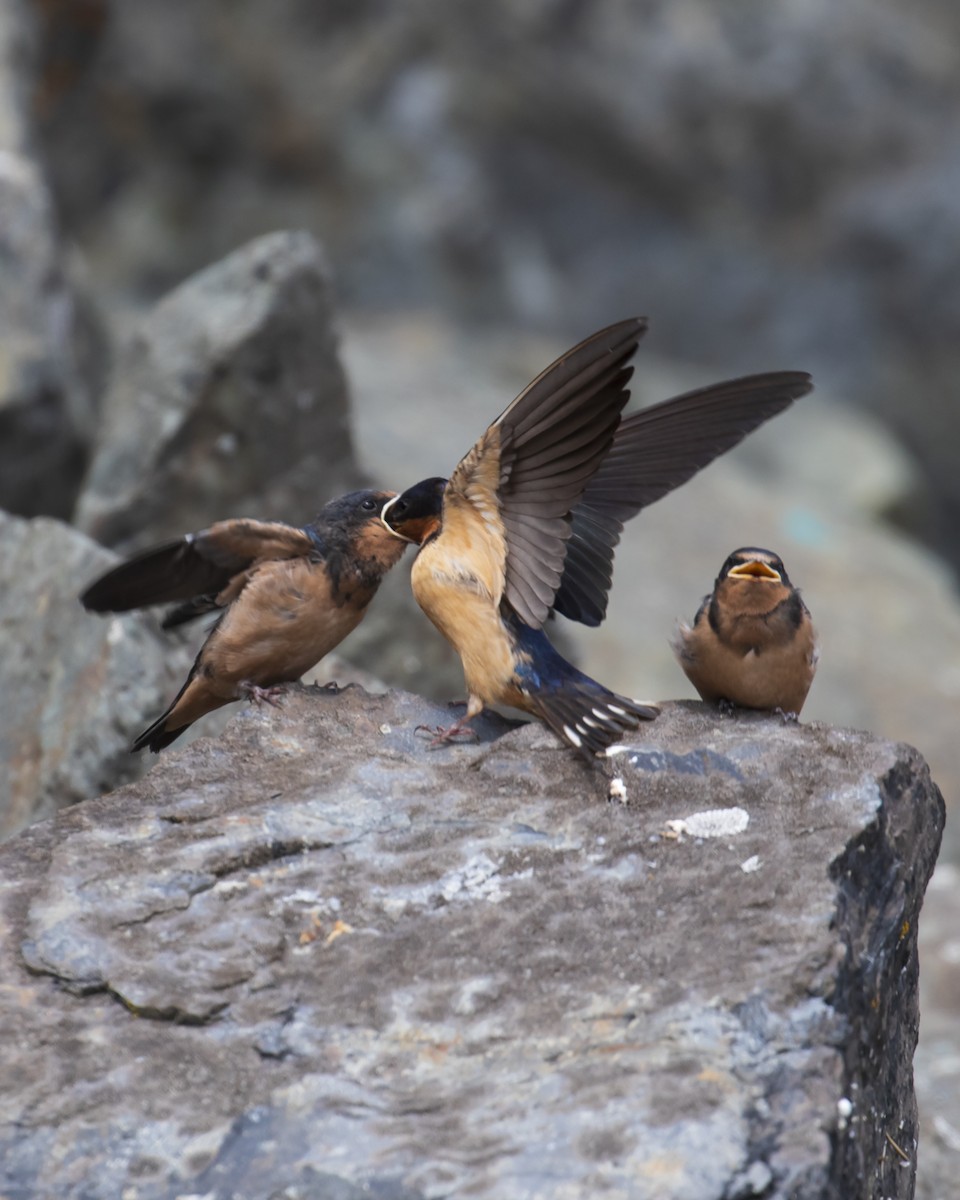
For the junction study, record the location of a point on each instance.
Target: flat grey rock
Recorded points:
(316, 957)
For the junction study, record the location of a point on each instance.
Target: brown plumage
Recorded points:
(528, 522)
(752, 643)
(287, 596)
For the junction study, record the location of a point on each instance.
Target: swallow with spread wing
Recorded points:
(529, 520)
(752, 643)
(286, 597)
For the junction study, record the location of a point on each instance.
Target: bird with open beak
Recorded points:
(752, 643)
(286, 597)
(528, 522)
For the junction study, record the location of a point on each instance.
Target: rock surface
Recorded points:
(76, 688)
(316, 958)
(229, 400)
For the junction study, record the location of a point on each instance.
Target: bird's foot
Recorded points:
(727, 707)
(261, 695)
(443, 736)
(788, 718)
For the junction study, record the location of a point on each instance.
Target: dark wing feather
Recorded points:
(195, 568)
(654, 451)
(552, 439)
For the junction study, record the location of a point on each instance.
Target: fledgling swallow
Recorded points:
(752, 643)
(286, 597)
(528, 522)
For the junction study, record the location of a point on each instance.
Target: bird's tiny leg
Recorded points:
(261, 695)
(789, 718)
(727, 707)
(442, 735)
(459, 728)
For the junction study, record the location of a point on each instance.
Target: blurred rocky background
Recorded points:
(467, 190)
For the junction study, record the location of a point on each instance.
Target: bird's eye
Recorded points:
(368, 505)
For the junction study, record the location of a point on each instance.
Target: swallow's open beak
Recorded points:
(755, 569)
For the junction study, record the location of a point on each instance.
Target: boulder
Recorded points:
(76, 688)
(51, 345)
(229, 400)
(316, 957)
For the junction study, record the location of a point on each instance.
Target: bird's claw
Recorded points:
(261, 695)
(443, 736)
(788, 718)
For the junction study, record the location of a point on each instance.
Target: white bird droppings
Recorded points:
(711, 823)
(617, 790)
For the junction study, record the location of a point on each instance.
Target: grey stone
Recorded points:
(50, 341)
(76, 688)
(229, 400)
(317, 958)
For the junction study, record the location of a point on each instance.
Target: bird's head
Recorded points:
(415, 514)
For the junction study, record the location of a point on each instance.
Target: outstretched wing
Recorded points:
(196, 569)
(510, 498)
(654, 451)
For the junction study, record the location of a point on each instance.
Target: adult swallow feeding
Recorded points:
(529, 520)
(286, 597)
(752, 643)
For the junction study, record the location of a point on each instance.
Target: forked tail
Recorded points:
(584, 713)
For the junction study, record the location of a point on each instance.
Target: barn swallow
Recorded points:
(752, 643)
(286, 597)
(529, 520)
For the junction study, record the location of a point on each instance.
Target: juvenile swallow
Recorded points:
(287, 596)
(528, 522)
(752, 643)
